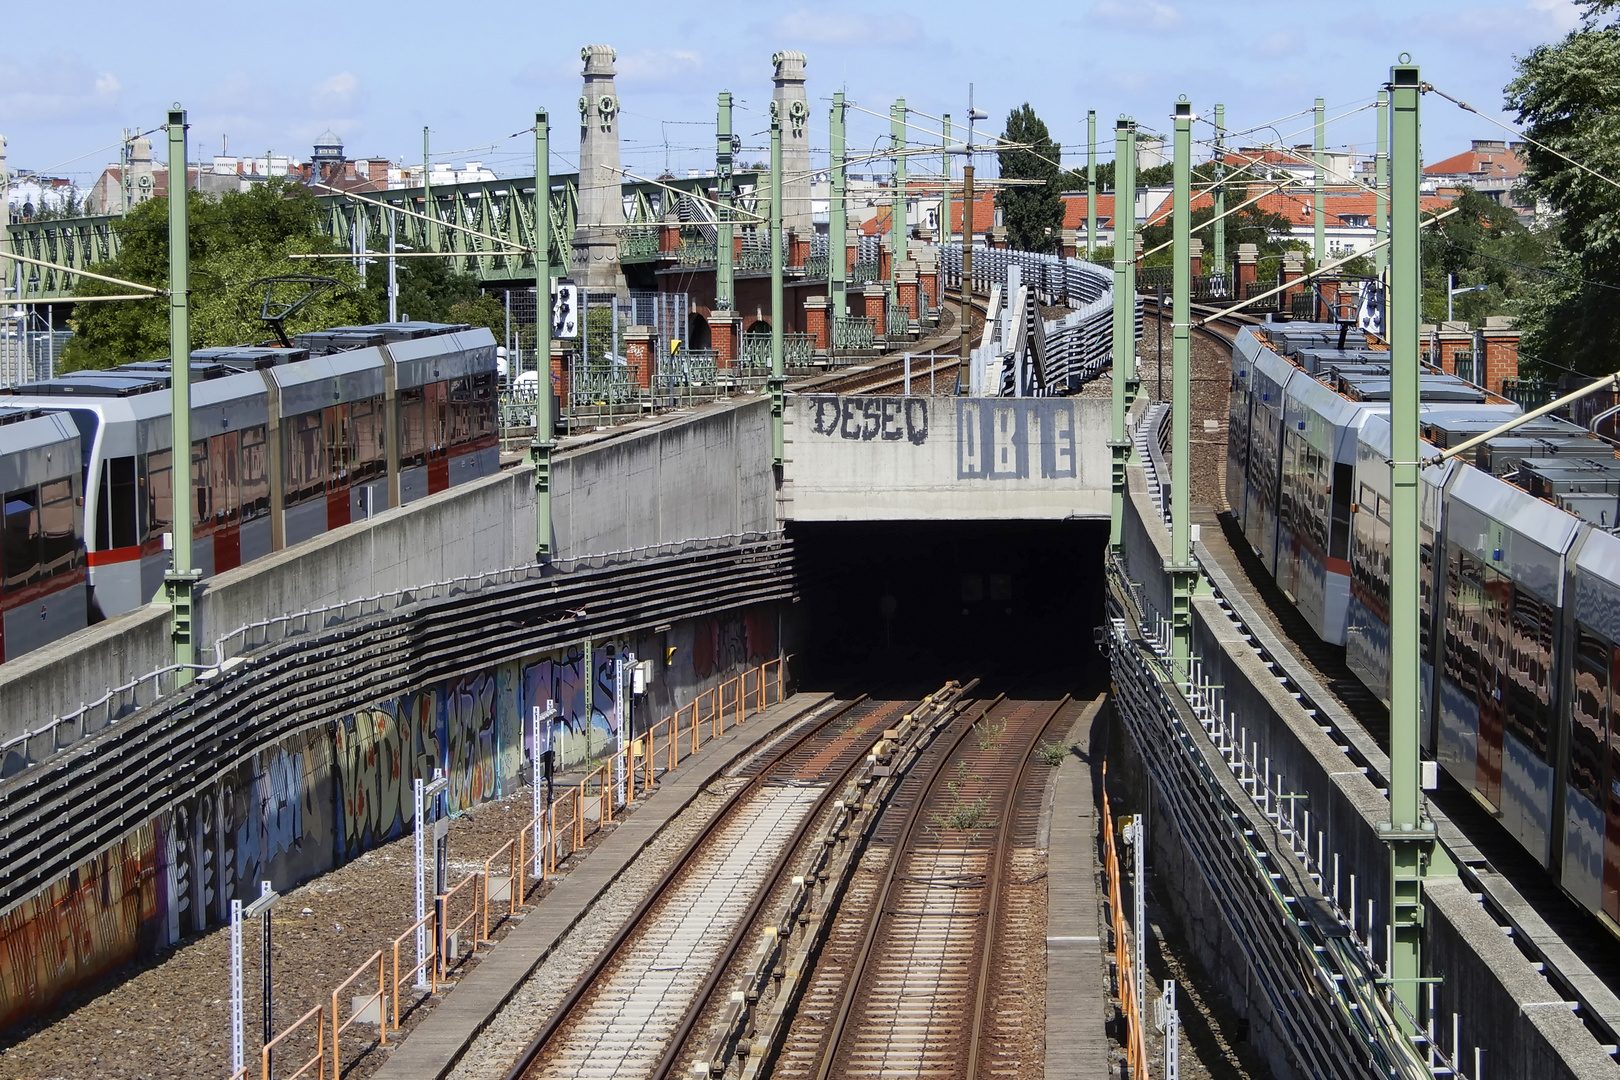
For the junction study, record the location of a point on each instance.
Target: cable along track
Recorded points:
(628, 1014)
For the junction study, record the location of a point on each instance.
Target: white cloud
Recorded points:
(1143, 15)
(659, 66)
(816, 28)
(337, 93)
(1561, 15)
(61, 88)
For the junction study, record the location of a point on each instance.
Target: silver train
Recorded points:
(1520, 644)
(286, 444)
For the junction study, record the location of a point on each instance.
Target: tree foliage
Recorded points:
(1033, 215)
(1484, 243)
(235, 241)
(1567, 96)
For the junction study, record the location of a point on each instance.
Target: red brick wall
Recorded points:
(874, 310)
(908, 297)
(723, 338)
(928, 282)
(815, 321)
(1500, 352)
(638, 354)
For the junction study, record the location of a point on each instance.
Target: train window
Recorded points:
(412, 428)
(337, 445)
(1426, 594)
(202, 493)
(19, 539)
(366, 432)
(59, 536)
(1343, 485)
(223, 464)
(305, 458)
(255, 474)
(1529, 669)
(483, 405)
(117, 523)
(460, 409)
(1591, 709)
(159, 492)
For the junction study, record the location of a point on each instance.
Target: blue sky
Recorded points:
(272, 78)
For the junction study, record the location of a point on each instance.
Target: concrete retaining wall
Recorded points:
(705, 475)
(1505, 1006)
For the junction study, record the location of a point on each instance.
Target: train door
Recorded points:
(223, 461)
(438, 437)
(337, 465)
(202, 509)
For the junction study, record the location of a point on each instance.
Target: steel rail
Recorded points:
(728, 955)
(998, 871)
(881, 900)
(632, 924)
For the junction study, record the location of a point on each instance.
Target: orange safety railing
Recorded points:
(1136, 1058)
(464, 891)
(382, 1004)
(513, 850)
(675, 738)
(428, 968)
(318, 1062)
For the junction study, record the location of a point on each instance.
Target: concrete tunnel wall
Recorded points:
(945, 458)
(708, 474)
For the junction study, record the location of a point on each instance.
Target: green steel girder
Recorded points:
(497, 208)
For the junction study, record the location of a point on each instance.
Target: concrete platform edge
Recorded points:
(1076, 1012)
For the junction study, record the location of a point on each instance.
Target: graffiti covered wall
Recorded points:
(316, 799)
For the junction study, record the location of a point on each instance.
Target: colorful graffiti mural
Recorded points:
(318, 798)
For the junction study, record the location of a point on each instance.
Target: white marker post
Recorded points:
(540, 721)
(261, 908)
(621, 712)
(423, 792)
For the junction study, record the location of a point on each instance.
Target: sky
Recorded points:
(273, 78)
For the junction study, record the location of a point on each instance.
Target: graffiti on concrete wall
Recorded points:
(311, 801)
(870, 419)
(1015, 439)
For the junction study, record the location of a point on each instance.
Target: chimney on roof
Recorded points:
(1490, 146)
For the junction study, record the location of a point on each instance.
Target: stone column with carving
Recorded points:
(792, 106)
(601, 207)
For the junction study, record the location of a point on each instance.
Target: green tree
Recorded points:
(1484, 243)
(1567, 96)
(482, 310)
(235, 242)
(429, 289)
(1033, 215)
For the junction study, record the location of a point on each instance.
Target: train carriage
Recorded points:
(1318, 460)
(42, 572)
(1263, 483)
(285, 446)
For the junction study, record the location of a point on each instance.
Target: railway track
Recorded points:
(633, 1008)
(898, 988)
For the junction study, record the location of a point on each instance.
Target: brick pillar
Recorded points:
(815, 322)
(725, 327)
(736, 247)
(852, 239)
(798, 250)
(669, 238)
(875, 294)
(1196, 251)
(1498, 351)
(1293, 268)
(1248, 265)
(1347, 303)
(638, 354)
(1136, 253)
(928, 282)
(906, 285)
(885, 259)
(998, 237)
(1070, 239)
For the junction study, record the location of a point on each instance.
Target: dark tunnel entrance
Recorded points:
(1009, 601)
